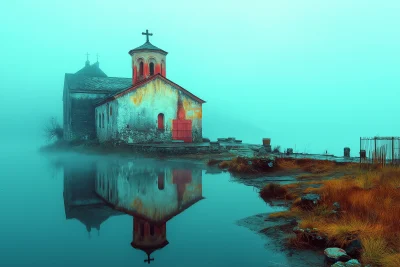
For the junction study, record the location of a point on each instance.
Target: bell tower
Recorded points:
(147, 60)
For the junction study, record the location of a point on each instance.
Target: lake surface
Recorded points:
(74, 210)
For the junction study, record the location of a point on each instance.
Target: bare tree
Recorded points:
(53, 130)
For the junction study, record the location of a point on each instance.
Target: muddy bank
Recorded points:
(277, 231)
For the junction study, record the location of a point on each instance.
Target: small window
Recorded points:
(160, 120)
(102, 120)
(141, 229)
(99, 120)
(141, 68)
(108, 116)
(152, 229)
(151, 66)
(110, 110)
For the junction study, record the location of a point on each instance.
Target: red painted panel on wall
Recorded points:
(182, 130)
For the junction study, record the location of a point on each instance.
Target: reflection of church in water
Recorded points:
(80, 200)
(152, 194)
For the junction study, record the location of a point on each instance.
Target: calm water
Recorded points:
(54, 213)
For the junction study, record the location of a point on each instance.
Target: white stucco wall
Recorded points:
(135, 114)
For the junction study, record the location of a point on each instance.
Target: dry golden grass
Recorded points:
(391, 260)
(375, 250)
(369, 211)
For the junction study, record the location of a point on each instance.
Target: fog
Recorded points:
(312, 75)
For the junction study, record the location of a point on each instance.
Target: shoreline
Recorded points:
(299, 177)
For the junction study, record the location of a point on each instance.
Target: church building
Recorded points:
(143, 109)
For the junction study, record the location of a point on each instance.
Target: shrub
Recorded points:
(53, 130)
(274, 191)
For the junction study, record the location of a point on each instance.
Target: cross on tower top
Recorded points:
(87, 56)
(149, 259)
(147, 35)
(97, 55)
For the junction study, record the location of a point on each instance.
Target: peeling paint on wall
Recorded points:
(135, 119)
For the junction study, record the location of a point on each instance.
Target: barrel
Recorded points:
(266, 141)
(346, 152)
(363, 154)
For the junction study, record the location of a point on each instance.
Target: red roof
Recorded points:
(145, 81)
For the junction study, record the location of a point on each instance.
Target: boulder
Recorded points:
(350, 263)
(309, 200)
(354, 248)
(297, 230)
(335, 255)
(353, 263)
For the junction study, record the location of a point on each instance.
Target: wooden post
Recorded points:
(360, 150)
(392, 150)
(375, 147)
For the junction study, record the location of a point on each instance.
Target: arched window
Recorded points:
(110, 110)
(141, 68)
(160, 120)
(99, 120)
(151, 66)
(161, 181)
(102, 120)
(162, 68)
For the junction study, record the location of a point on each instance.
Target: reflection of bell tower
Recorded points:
(148, 236)
(181, 178)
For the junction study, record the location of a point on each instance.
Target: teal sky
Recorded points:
(309, 74)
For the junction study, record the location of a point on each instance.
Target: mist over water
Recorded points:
(53, 198)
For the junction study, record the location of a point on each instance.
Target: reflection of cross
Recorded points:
(87, 56)
(148, 259)
(147, 35)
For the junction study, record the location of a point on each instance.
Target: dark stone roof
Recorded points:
(91, 70)
(147, 46)
(76, 82)
(92, 78)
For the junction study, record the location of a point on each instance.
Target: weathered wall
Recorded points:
(158, 59)
(108, 131)
(136, 116)
(136, 188)
(82, 115)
